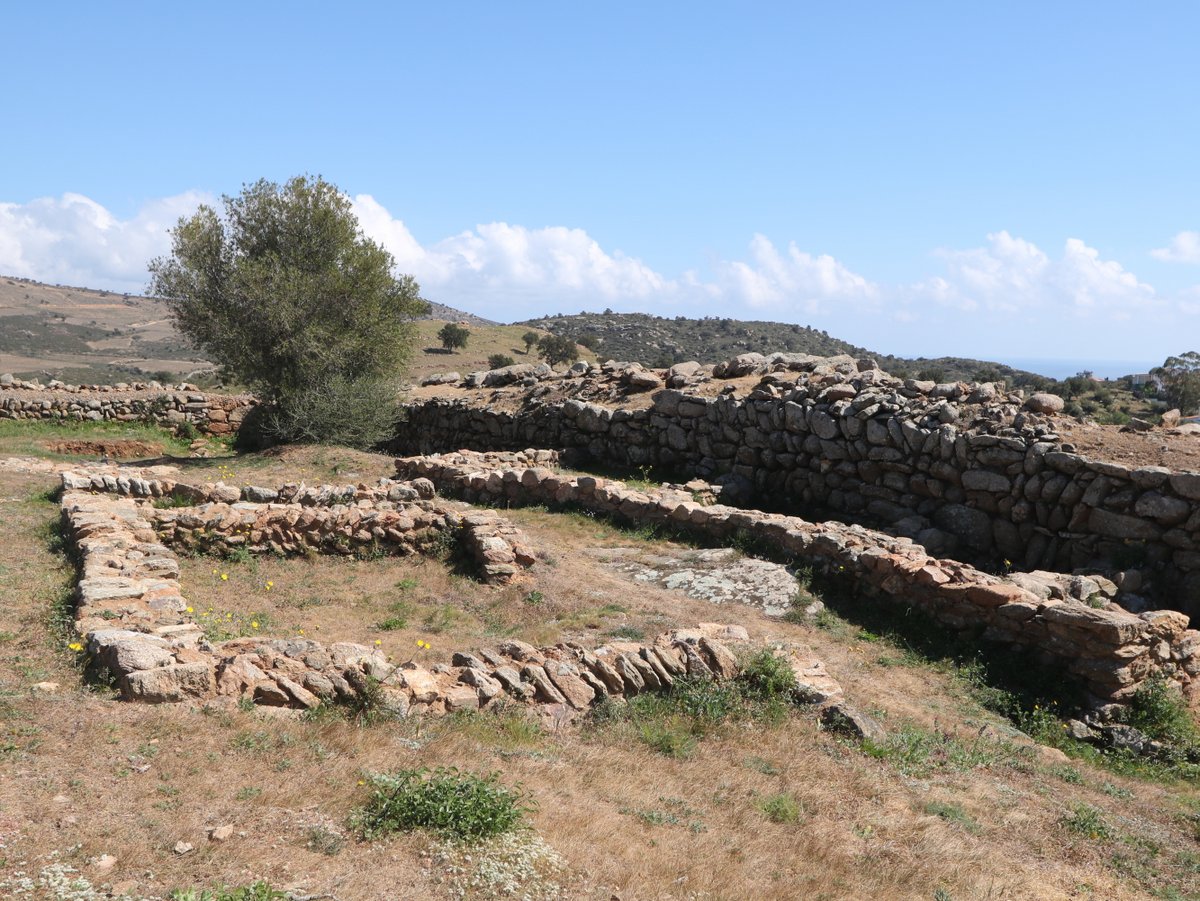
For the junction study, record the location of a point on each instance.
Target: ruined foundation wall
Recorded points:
(1109, 650)
(972, 492)
(210, 414)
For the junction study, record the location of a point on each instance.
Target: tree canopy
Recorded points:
(557, 349)
(452, 335)
(285, 292)
(1181, 381)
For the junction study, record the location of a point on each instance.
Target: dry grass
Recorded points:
(85, 775)
(429, 356)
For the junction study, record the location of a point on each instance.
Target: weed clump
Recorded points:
(1161, 714)
(456, 805)
(1086, 820)
(671, 722)
(781, 808)
(258, 891)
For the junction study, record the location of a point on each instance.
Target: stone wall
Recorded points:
(211, 414)
(391, 517)
(135, 623)
(965, 470)
(1109, 650)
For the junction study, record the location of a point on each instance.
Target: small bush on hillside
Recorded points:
(767, 677)
(1088, 821)
(1159, 711)
(781, 808)
(557, 349)
(456, 805)
(258, 891)
(499, 361)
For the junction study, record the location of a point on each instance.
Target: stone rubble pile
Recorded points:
(1109, 650)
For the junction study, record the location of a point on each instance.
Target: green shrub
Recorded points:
(1159, 711)
(672, 737)
(781, 808)
(452, 335)
(499, 361)
(767, 677)
(451, 803)
(289, 297)
(258, 891)
(1086, 820)
(333, 409)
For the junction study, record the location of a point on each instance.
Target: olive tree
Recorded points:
(283, 290)
(1181, 381)
(557, 349)
(452, 335)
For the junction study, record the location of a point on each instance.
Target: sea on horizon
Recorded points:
(1062, 369)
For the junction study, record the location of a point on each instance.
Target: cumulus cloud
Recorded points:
(1011, 274)
(1184, 248)
(793, 278)
(1006, 293)
(501, 260)
(74, 240)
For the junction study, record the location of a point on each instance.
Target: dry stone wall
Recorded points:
(135, 623)
(965, 469)
(1109, 650)
(211, 414)
(391, 517)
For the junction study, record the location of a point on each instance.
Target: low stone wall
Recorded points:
(1109, 650)
(392, 517)
(211, 414)
(966, 470)
(134, 622)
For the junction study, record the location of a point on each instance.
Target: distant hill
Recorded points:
(658, 341)
(442, 313)
(85, 335)
(93, 336)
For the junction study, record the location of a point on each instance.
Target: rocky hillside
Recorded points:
(660, 342)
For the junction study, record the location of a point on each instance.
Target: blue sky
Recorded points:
(1008, 181)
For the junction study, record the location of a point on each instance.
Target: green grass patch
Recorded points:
(1088, 821)
(29, 437)
(257, 891)
(917, 752)
(951, 813)
(781, 808)
(456, 805)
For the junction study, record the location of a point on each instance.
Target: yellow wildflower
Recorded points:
(75, 646)
(224, 577)
(254, 624)
(189, 609)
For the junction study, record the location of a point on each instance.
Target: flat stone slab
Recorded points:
(717, 575)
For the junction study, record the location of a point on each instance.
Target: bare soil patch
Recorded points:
(117, 449)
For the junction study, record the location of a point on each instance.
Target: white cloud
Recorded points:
(74, 240)
(503, 261)
(793, 279)
(1007, 293)
(1011, 274)
(1184, 248)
